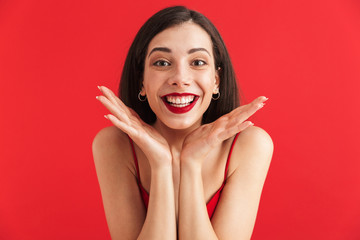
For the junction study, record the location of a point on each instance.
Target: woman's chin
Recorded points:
(177, 124)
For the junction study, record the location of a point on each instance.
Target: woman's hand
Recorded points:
(154, 146)
(198, 143)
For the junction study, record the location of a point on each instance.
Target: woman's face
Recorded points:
(179, 75)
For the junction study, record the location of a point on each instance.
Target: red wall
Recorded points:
(303, 55)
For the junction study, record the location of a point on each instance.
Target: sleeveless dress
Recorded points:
(211, 204)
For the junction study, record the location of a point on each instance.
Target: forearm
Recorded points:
(160, 222)
(194, 222)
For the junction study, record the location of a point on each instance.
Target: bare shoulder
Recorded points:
(109, 143)
(256, 137)
(111, 150)
(253, 146)
(107, 137)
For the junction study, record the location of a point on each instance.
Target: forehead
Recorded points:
(182, 38)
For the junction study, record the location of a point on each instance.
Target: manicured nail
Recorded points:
(106, 117)
(99, 88)
(97, 97)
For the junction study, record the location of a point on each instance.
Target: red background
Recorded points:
(303, 55)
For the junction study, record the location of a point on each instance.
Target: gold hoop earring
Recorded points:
(216, 96)
(141, 98)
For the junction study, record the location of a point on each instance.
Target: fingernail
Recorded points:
(106, 117)
(266, 98)
(99, 88)
(97, 97)
(251, 124)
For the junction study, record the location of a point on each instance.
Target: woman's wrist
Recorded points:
(190, 165)
(164, 164)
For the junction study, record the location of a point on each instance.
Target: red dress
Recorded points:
(211, 205)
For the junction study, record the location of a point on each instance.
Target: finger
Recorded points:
(114, 109)
(132, 132)
(260, 99)
(113, 98)
(248, 106)
(248, 110)
(107, 93)
(243, 126)
(257, 104)
(236, 120)
(234, 130)
(135, 115)
(239, 117)
(128, 115)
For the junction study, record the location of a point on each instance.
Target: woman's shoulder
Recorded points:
(256, 137)
(109, 137)
(111, 143)
(110, 133)
(253, 146)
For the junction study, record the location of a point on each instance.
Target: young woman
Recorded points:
(181, 161)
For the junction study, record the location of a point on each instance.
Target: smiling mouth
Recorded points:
(180, 103)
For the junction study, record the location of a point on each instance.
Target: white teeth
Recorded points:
(178, 101)
(180, 105)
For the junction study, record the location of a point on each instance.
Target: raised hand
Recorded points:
(154, 146)
(198, 143)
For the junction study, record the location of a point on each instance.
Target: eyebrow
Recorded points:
(168, 50)
(198, 49)
(160, 49)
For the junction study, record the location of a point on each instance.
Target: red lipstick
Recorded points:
(179, 103)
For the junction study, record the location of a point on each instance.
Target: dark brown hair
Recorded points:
(132, 75)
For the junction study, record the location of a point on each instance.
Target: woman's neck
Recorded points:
(174, 137)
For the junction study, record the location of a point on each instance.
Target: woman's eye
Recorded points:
(161, 63)
(199, 63)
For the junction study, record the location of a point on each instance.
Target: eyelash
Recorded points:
(198, 60)
(160, 63)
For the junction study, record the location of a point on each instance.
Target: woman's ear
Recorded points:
(142, 91)
(217, 80)
(142, 94)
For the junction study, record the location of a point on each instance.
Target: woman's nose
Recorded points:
(181, 76)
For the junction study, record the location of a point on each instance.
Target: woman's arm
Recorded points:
(125, 212)
(194, 222)
(160, 221)
(236, 211)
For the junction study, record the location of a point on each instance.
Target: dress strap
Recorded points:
(229, 156)
(135, 158)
